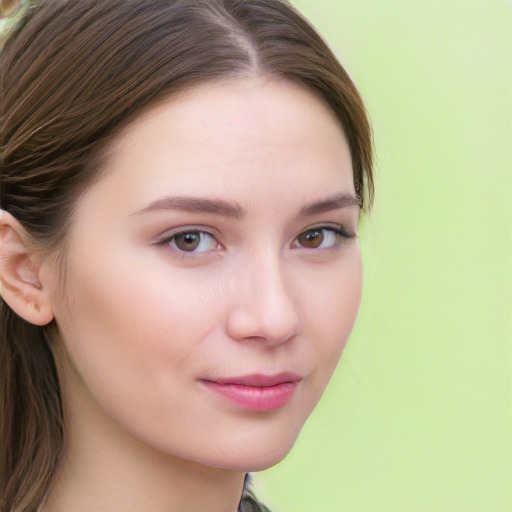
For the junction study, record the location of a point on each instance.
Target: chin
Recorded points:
(256, 455)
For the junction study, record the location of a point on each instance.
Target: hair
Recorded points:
(73, 73)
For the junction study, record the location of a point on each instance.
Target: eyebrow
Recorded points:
(234, 210)
(197, 205)
(335, 202)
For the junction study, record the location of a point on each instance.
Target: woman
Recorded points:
(181, 187)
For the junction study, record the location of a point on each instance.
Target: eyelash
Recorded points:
(341, 233)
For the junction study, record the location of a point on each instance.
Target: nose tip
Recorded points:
(244, 324)
(267, 312)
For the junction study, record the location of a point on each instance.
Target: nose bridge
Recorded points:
(267, 307)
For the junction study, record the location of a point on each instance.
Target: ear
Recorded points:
(20, 287)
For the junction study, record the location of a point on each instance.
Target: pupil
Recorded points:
(187, 241)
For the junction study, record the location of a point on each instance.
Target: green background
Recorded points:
(418, 415)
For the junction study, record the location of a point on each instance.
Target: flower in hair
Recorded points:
(8, 8)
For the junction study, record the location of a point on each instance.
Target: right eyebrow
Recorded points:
(196, 205)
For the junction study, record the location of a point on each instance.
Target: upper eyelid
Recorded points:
(335, 226)
(170, 233)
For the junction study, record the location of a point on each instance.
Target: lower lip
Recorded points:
(255, 398)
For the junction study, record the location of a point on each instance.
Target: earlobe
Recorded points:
(20, 286)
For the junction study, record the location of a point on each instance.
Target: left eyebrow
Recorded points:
(331, 203)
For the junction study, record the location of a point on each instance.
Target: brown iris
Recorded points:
(311, 239)
(188, 241)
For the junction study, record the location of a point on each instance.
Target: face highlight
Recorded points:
(213, 276)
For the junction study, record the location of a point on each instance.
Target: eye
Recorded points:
(322, 238)
(192, 241)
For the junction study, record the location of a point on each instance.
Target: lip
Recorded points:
(256, 392)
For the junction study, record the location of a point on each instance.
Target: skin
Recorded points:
(142, 322)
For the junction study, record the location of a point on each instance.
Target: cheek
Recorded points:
(131, 317)
(333, 312)
(121, 326)
(131, 343)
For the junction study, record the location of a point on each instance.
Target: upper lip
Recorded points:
(258, 379)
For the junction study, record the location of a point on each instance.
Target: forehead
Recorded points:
(233, 137)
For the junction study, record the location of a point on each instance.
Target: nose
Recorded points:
(264, 307)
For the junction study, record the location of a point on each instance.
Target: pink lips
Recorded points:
(257, 392)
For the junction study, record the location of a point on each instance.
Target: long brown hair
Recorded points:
(74, 71)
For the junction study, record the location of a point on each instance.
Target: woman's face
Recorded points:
(212, 275)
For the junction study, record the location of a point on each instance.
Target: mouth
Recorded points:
(256, 392)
